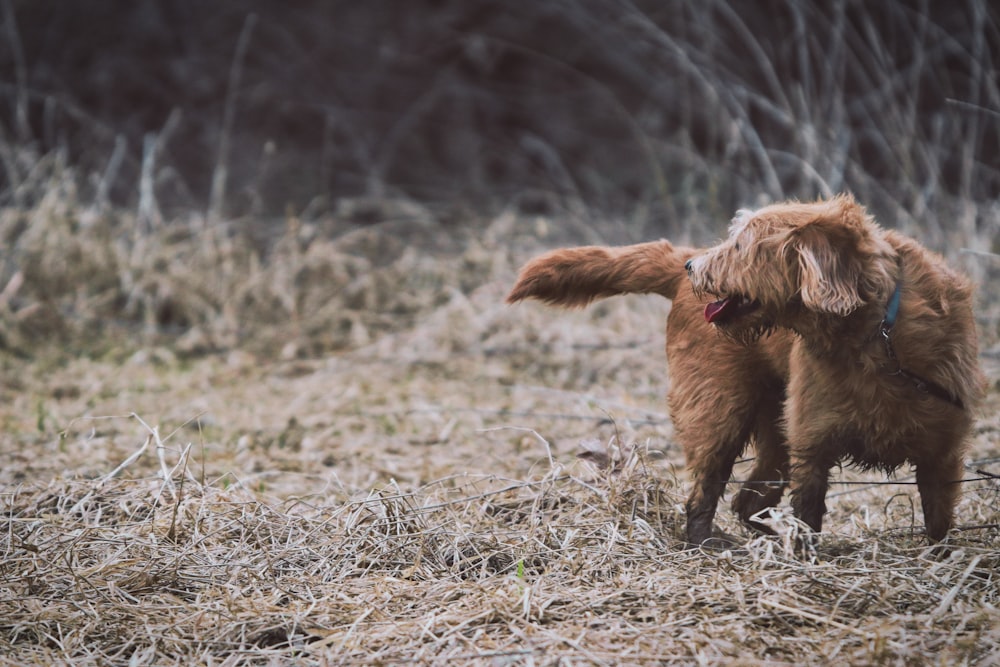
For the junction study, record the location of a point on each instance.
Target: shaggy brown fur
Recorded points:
(800, 293)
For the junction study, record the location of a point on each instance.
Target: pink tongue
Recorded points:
(716, 309)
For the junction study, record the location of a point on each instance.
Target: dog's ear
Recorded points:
(829, 264)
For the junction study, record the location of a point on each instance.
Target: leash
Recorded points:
(922, 384)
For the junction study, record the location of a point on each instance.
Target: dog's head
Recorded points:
(787, 259)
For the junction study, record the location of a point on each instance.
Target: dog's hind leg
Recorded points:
(711, 449)
(713, 409)
(711, 474)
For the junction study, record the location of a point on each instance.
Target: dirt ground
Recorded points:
(421, 499)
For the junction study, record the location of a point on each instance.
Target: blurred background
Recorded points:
(615, 120)
(609, 105)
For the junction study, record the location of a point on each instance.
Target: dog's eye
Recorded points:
(737, 246)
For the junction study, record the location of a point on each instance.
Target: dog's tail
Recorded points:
(573, 277)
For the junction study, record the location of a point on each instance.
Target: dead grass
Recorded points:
(327, 441)
(563, 567)
(420, 499)
(100, 282)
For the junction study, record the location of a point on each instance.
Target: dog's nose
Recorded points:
(687, 266)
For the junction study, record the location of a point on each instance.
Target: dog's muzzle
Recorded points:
(729, 309)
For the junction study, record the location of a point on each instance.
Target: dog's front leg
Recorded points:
(812, 458)
(809, 485)
(814, 429)
(766, 482)
(938, 482)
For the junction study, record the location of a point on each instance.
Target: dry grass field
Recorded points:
(261, 400)
(357, 454)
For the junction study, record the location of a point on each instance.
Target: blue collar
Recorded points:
(922, 384)
(892, 310)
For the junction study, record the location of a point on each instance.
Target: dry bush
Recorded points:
(621, 122)
(104, 282)
(77, 279)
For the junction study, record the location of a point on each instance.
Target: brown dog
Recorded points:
(839, 340)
